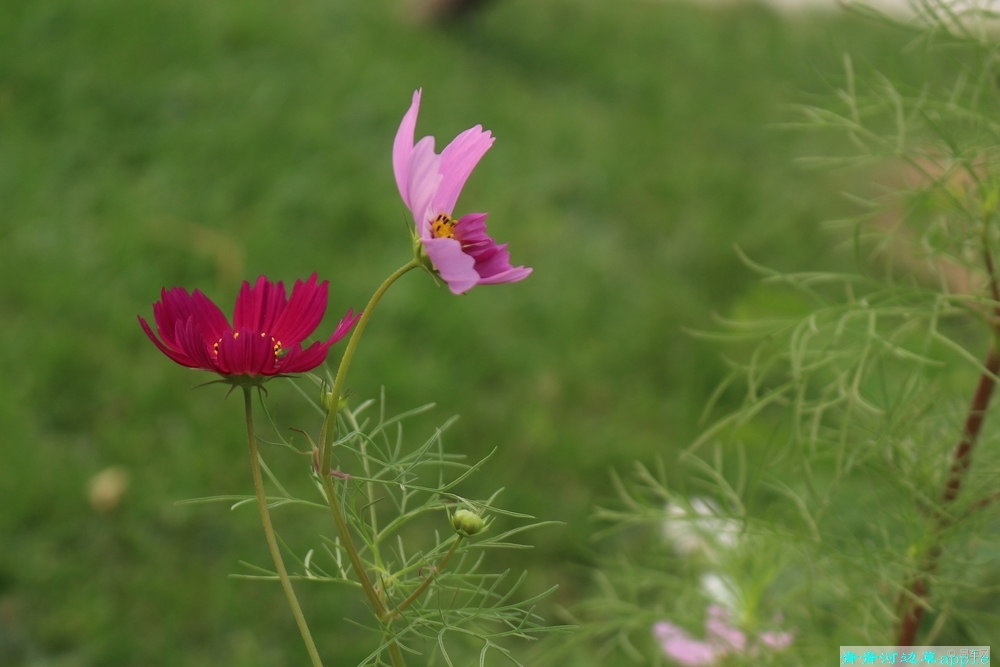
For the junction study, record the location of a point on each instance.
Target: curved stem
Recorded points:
(272, 542)
(345, 361)
(425, 583)
(328, 434)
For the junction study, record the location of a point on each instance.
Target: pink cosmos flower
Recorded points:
(720, 639)
(460, 250)
(265, 338)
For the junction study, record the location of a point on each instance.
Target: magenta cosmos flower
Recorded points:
(265, 338)
(460, 250)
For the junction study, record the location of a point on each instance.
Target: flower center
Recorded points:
(236, 334)
(443, 227)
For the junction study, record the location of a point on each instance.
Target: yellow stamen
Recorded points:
(278, 351)
(443, 227)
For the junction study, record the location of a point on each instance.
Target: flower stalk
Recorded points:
(327, 438)
(912, 603)
(272, 542)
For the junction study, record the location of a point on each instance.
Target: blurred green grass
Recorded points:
(181, 143)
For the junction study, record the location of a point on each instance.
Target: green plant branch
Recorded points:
(363, 444)
(272, 542)
(425, 583)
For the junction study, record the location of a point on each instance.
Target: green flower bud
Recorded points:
(326, 400)
(467, 523)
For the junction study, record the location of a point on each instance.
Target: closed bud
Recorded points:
(467, 523)
(326, 399)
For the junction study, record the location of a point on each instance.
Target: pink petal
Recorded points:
(456, 267)
(680, 646)
(717, 625)
(777, 640)
(424, 178)
(458, 159)
(402, 145)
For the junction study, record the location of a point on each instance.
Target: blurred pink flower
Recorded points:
(460, 250)
(720, 639)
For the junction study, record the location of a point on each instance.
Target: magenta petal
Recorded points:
(456, 268)
(244, 352)
(195, 333)
(275, 306)
(424, 178)
(680, 646)
(492, 259)
(493, 264)
(175, 305)
(300, 361)
(303, 313)
(229, 356)
(458, 159)
(258, 306)
(191, 340)
(248, 304)
(234, 354)
(210, 319)
(471, 229)
(345, 325)
(262, 355)
(510, 276)
(174, 355)
(402, 145)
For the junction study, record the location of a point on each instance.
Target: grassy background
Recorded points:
(170, 143)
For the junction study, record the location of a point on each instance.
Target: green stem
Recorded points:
(345, 361)
(425, 583)
(328, 434)
(272, 542)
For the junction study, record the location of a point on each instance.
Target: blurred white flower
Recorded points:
(723, 591)
(106, 488)
(700, 529)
